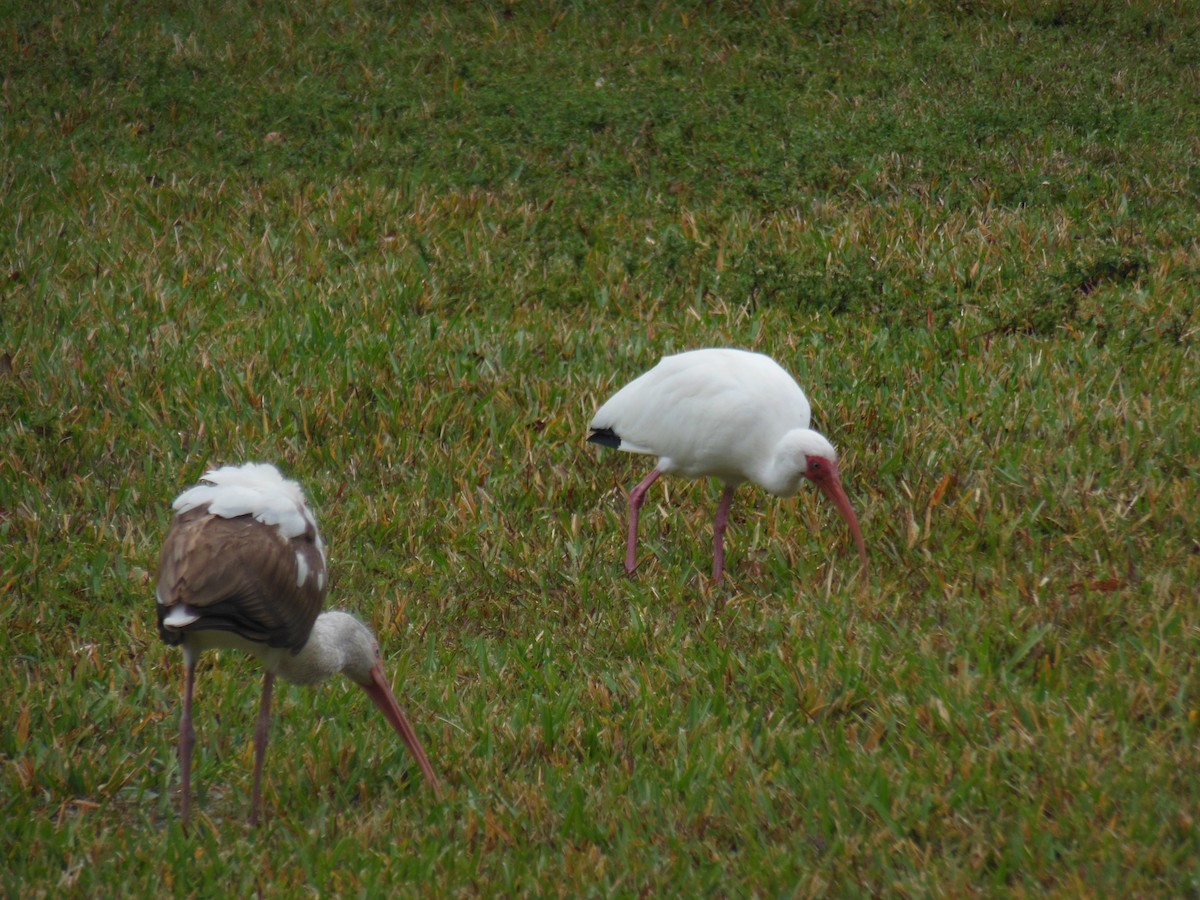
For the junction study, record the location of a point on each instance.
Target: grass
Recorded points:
(405, 251)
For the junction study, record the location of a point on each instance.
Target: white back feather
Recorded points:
(252, 489)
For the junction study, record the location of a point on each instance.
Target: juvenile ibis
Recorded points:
(732, 414)
(243, 567)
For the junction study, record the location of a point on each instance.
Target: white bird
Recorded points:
(731, 414)
(243, 567)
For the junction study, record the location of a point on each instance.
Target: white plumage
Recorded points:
(731, 414)
(252, 489)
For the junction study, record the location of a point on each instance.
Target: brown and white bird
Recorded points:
(243, 567)
(732, 414)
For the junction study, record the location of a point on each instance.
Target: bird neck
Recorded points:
(338, 643)
(315, 662)
(783, 468)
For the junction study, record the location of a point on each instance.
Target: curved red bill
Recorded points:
(830, 484)
(381, 695)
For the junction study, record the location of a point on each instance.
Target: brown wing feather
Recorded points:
(240, 575)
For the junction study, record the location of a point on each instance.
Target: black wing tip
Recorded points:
(605, 437)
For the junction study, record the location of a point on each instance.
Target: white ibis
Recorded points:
(243, 567)
(731, 414)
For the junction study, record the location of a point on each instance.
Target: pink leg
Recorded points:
(722, 518)
(261, 732)
(187, 736)
(636, 496)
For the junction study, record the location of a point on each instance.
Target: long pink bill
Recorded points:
(381, 695)
(831, 487)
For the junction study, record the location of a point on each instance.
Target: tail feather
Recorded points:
(605, 437)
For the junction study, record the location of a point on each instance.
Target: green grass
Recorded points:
(406, 250)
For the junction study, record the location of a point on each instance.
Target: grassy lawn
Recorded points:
(405, 251)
